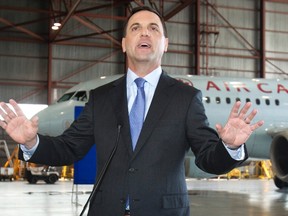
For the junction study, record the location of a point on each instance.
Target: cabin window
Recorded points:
(218, 100)
(207, 99)
(277, 102)
(228, 100)
(238, 99)
(267, 101)
(248, 100)
(257, 101)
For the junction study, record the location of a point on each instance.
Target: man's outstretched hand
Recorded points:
(17, 126)
(238, 127)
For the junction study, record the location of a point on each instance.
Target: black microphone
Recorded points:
(104, 170)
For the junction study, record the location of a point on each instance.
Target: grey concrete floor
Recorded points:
(207, 197)
(237, 197)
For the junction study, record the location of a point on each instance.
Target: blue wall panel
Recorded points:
(85, 169)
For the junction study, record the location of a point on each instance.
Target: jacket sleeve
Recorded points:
(69, 147)
(211, 154)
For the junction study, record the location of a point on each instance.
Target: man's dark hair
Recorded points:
(145, 8)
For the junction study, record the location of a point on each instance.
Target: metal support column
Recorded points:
(49, 75)
(197, 37)
(262, 67)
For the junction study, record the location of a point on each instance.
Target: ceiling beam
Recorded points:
(22, 29)
(97, 29)
(65, 20)
(176, 10)
(87, 35)
(89, 65)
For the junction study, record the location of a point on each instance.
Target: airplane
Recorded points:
(269, 96)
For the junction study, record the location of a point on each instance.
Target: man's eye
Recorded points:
(134, 28)
(154, 28)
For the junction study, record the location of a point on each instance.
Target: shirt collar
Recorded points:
(152, 78)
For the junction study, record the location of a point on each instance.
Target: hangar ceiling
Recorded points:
(85, 23)
(30, 22)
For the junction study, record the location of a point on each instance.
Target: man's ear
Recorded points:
(166, 45)
(123, 45)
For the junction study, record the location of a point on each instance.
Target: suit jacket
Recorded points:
(153, 174)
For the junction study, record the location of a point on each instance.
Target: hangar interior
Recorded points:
(46, 47)
(39, 60)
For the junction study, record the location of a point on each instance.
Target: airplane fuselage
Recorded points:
(269, 97)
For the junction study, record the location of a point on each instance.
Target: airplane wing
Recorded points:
(277, 128)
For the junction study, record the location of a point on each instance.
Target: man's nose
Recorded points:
(145, 32)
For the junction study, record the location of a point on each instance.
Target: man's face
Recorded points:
(144, 41)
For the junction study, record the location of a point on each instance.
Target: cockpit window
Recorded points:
(66, 97)
(76, 96)
(80, 96)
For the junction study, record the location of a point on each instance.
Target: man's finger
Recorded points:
(16, 107)
(244, 110)
(251, 116)
(257, 125)
(235, 110)
(34, 121)
(5, 108)
(218, 128)
(3, 124)
(4, 112)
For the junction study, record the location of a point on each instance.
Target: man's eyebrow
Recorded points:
(134, 24)
(137, 24)
(154, 24)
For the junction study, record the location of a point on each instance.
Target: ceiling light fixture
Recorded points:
(56, 26)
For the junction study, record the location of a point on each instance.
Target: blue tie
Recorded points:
(136, 116)
(137, 112)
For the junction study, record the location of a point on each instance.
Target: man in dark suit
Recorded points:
(146, 179)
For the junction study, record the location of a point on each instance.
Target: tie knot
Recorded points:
(140, 82)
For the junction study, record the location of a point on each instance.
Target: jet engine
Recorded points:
(279, 159)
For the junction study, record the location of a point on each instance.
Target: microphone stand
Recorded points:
(103, 171)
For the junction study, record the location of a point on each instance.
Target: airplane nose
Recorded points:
(56, 118)
(44, 121)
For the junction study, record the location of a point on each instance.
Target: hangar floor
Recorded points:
(207, 197)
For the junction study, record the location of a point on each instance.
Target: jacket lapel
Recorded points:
(119, 101)
(159, 103)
